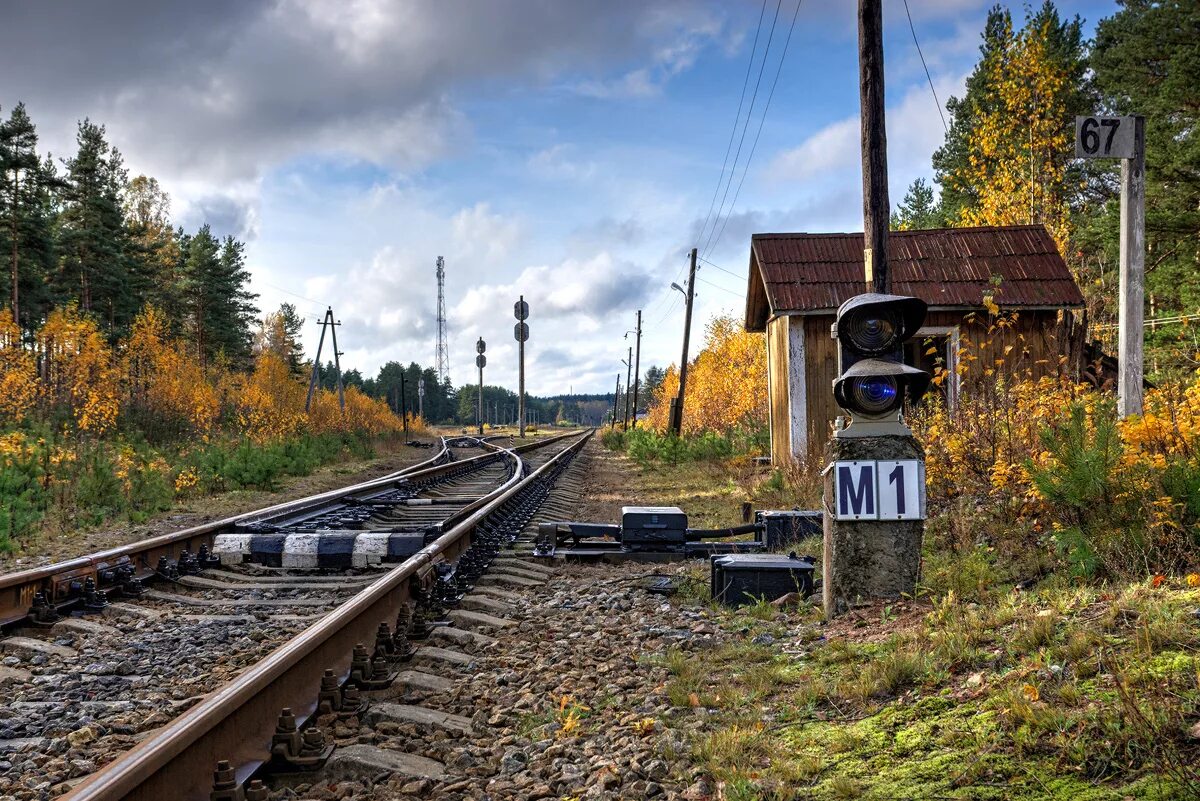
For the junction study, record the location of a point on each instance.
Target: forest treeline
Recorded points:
(1008, 156)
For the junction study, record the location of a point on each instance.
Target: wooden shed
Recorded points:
(797, 282)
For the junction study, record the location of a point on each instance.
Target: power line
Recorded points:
(719, 267)
(758, 133)
(737, 117)
(718, 286)
(746, 125)
(928, 77)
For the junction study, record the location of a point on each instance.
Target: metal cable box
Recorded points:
(746, 578)
(789, 526)
(647, 526)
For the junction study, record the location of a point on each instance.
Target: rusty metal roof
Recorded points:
(950, 267)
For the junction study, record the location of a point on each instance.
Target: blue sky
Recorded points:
(567, 151)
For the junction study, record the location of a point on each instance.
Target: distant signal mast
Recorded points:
(443, 350)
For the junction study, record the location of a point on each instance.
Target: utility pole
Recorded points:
(628, 384)
(326, 321)
(637, 366)
(337, 361)
(404, 406)
(616, 394)
(874, 145)
(677, 412)
(421, 397)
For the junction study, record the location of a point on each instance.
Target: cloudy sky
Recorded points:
(569, 150)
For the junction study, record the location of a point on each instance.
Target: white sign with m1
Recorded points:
(879, 490)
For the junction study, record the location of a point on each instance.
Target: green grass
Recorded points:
(1066, 691)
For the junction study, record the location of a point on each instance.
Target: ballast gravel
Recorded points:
(590, 640)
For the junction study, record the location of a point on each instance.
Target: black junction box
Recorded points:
(652, 526)
(746, 578)
(786, 527)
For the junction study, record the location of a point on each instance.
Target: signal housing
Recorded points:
(873, 380)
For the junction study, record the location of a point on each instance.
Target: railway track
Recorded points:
(216, 631)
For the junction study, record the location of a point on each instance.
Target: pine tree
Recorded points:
(1007, 156)
(919, 210)
(93, 241)
(219, 309)
(154, 246)
(26, 211)
(1147, 61)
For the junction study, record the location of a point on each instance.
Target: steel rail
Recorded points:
(17, 590)
(236, 721)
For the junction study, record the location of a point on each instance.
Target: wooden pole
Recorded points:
(637, 366)
(337, 361)
(312, 381)
(876, 208)
(1133, 275)
(677, 422)
(628, 384)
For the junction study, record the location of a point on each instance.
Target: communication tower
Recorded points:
(443, 351)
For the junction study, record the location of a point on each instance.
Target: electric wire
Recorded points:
(737, 118)
(758, 133)
(718, 286)
(719, 267)
(746, 126)
(928, 77)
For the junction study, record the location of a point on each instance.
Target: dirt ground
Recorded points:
(57, 547)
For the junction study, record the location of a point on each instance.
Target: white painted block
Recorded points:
(231, 549)
(300, 550)
(370, 549)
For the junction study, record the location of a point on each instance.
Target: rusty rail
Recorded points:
(59, 582)
(236, 721)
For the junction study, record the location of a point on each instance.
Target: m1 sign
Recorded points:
(879, 490)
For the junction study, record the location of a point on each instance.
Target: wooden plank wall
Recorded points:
(777, 389)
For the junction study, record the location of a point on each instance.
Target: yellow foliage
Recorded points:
(164, 379)
(271, 404)
(1019, 148)
(726, 384)
(79, 369)
(18, 372)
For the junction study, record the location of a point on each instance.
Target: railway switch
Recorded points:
(646, 532)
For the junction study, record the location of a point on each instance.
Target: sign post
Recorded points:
(1125, 138)
(480, 362)
(521, 334)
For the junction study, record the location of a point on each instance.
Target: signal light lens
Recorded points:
(873, 331)
(874, 394)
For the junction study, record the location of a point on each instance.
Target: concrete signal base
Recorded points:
(868, 559)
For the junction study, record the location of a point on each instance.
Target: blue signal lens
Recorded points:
(874, 394)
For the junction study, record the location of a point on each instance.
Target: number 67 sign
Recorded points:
(879, 490)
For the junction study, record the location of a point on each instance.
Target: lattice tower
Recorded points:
(443, 350)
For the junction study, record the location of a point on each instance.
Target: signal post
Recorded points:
(875, 474)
